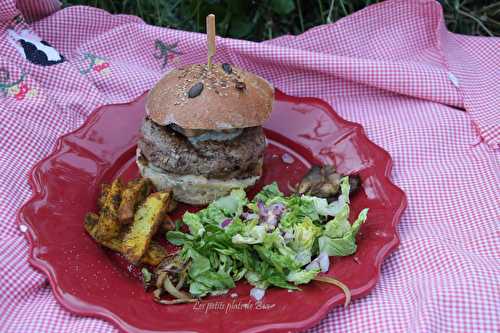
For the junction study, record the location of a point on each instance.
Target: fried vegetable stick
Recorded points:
(104, 193)
(146, 221)
(133, 195)
(91, 220)
(108, 226)
(154, 255)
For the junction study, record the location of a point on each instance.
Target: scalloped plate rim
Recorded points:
(100, 312)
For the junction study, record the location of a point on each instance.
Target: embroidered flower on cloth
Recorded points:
(167, 52)
(17, 89)
(95, 64)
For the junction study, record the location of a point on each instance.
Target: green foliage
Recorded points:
(265, 19)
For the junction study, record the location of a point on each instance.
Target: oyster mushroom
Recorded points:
(324, 182)
(171, 275)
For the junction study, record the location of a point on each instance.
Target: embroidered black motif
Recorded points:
(36, 56)
(34, 49)
(19, 89)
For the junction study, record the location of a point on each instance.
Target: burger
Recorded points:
(202, 135)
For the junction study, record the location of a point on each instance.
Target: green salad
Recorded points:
(272, 240)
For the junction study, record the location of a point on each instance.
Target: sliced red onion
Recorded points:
(272, 220)
(225, 223)
(261, 206)
(312, 265)
(270, 215)
(337, 206)
(324, 262)
(288, 236)
(321, 262)
(257, 293)
(303, 257)
(287, 158)
(263, 211)
(249, 216)
(278, 208)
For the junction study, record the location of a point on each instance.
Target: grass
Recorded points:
(265, 19)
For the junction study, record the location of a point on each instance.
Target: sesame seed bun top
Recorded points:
(221, 98)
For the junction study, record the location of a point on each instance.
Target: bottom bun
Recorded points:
(190, 189)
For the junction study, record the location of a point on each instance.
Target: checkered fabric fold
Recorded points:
(431, 98)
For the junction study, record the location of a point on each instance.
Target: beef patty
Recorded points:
(238, 158)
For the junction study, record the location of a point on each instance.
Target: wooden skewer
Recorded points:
(210, 38)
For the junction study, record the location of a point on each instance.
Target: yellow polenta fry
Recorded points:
(108, 226)
(155, 253)
(132, 196)
(146, 221)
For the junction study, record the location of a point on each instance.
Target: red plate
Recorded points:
(90, 281)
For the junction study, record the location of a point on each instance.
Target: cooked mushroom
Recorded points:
(355, 183)
(324, 182)
(321, 182)
(171, 275)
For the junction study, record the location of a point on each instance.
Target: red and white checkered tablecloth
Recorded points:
(431, 98)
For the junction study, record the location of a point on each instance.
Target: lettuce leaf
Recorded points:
(252, 235)
(304, 236)
(178, 237)
(278, 261)
(267, 193)
(337, 246)
(265, 256)
(359, 221)
(199, 265)
(296, 210)
(339, 237)
(231, 205)
(302, 276)
(193, 222)
(321, 205)
(211, 282)
(339, 226)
